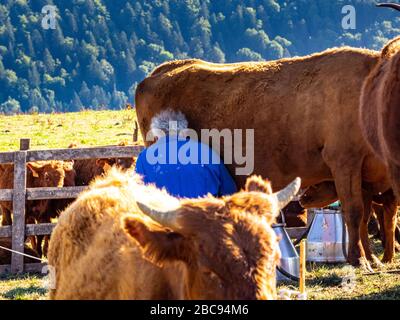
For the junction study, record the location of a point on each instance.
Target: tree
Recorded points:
(34, 76)
(216, 54)
(48, 61)
(246, 54)
(11, 106)
(118, 100)
(76, 103)
(85, 94)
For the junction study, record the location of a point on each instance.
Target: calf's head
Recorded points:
(70, 174)
(46, 174)
(319, 196)
(227, 245)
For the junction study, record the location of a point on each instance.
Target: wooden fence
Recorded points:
(18, 231)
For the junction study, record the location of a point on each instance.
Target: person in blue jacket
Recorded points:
(186, 168)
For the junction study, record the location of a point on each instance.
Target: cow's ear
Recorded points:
(34, 170)
(159, 245)
(257, 184)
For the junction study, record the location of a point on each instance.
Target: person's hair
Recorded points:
(169, 121)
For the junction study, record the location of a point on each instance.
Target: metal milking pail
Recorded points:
(325, 241)
(290, 261)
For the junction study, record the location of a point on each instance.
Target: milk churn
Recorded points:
(327, 239)
(290, 262)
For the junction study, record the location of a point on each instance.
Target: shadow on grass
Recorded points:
(20, 293)
(10, 277)
(389, 294)
(326, 281)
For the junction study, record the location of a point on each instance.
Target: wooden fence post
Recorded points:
(135, 131)
(19, 199)
(303, 266)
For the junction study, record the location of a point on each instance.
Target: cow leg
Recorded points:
(32, 239)
(40, 239)
(364, 227)
(348, 186)
(46, 245)
(390, 223)
(397, 237)
(39, 242)
(364, 230)
(6, 219)
(373, 225)
(394, 172)
(380, 214)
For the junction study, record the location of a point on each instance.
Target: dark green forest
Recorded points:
(100, 49)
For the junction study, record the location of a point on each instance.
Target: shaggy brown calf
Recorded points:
(384, 206)
(299, 108)
(122, 239)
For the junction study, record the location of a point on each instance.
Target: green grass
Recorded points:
(101, 128)
(24, 287)
(341, 281)
(87, 128)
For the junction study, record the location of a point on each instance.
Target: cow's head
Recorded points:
(46, 174)
(70, 173)
(319, 195)
(104, 165)
(227, 245)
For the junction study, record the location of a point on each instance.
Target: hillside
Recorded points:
(100, 49)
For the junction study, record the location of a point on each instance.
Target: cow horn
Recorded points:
(165, 218)
(286, 195)
(395, 6)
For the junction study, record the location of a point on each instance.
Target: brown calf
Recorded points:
(39, 174)
(122, 239)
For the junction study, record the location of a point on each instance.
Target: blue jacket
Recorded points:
(176, 165)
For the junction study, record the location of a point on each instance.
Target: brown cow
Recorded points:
(379, 108)
(122, 239)
(384, 206)
(300, 109)
(55, 207)
(39, 174)
(88, 169)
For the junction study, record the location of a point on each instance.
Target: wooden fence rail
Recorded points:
(18, 231)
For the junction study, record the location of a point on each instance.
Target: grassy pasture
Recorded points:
(54, 131)
(101, 128)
